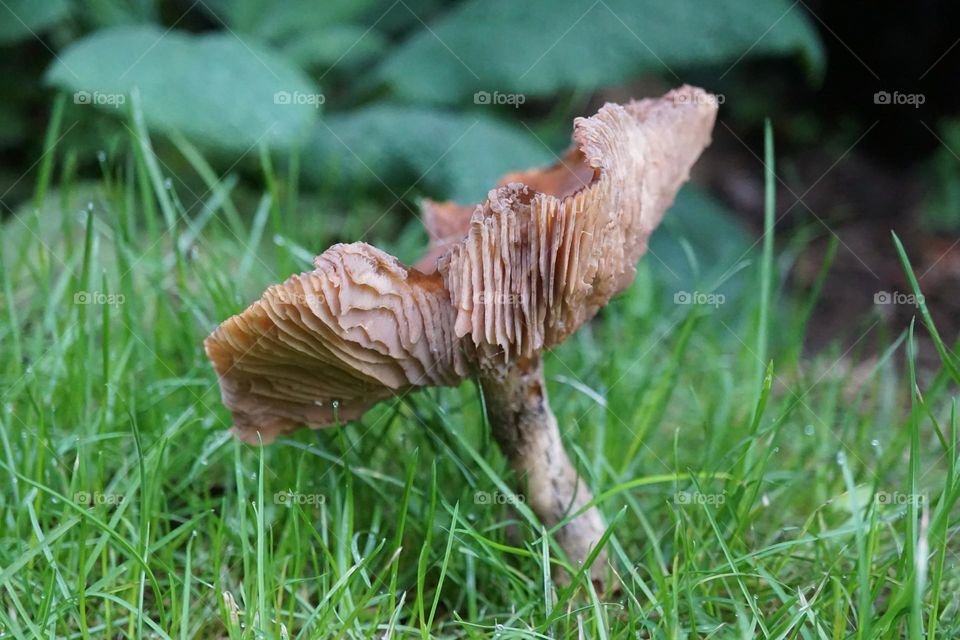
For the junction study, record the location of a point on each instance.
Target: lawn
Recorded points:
(752, 489)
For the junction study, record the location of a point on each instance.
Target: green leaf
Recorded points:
(345, 46)
(21, 19)
(698, 225)
(274, 22)
(447, 155)
(311, 34)
(538, 47)
(214, 88)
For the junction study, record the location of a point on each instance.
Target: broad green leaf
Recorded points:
(21, 19)
(274, 22)
(538, 47)
(217, 89)
(344, 46)
(282, 20)
(311, 34)
(401, 18)
(417, 150)
(698, 224)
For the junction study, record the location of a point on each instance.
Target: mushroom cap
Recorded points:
(501, 280)
(550, 247)
(328, 344)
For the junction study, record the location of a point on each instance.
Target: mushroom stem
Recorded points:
(526, 430)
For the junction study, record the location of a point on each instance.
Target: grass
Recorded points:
(751, 491)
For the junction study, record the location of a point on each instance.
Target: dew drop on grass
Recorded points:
(168, 184)
(841, 457)
(102, 155)
(90, 206)
(875, 444)
(809, 430)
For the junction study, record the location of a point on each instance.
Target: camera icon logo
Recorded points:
(81, 297)
(82, 97)
(882, 297)
(682, 297)
(81, 497)
(481, 97)
(282, 97)
(881, 97)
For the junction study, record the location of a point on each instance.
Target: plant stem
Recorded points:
(526, 430)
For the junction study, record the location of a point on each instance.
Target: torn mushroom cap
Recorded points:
(517, 273)
(550, 247)
(329, 343)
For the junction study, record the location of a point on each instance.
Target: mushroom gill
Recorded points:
(329, 343)
(549, 248)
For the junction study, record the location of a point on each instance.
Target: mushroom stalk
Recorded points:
(526, 431)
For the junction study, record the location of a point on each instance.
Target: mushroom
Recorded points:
(501, 282)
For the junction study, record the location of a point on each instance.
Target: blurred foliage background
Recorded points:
(369, 105)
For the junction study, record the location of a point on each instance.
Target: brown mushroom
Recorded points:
(501, 282)
(329, 344)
